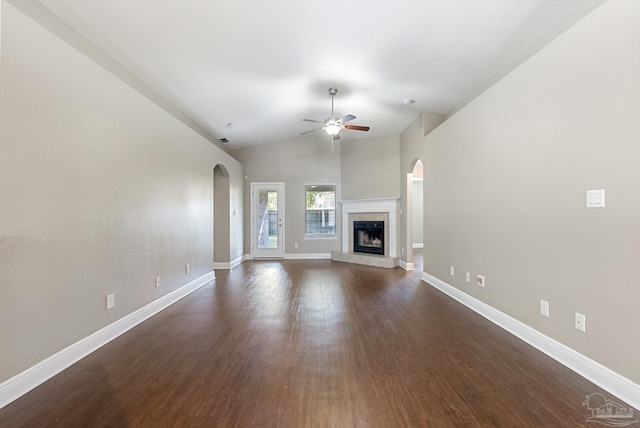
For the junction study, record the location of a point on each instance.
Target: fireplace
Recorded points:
(368, 237)
(383, 211)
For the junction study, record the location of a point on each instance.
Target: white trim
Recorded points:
(308, 256)
(406, 266)
(332, 236)
(237, 262)
(228, 265)
(418, 245)
(221, 265)
(618, 385)
(246, 257)
(320, 237)
(375, 205)
(263, 253)
(34, 376)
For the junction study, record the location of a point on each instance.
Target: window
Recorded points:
(321, 210)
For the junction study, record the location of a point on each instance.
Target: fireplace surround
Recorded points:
(384, 210)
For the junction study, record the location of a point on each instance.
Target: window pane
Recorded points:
(267, 219)
(321, 210)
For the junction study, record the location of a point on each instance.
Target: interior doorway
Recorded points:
(415, 212)
(221, 218)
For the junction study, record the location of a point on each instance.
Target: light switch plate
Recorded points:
(595, 198)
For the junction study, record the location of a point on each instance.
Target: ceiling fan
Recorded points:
(333, 126)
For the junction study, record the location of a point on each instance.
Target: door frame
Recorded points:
(279, 252)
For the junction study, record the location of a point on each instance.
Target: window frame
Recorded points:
(321, 236)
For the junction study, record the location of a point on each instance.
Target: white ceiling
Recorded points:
(265, 65)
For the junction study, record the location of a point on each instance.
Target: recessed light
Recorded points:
(231, 125)
(408, 101)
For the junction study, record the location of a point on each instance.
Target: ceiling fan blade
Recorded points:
(356, 127)
(347, 118)
(311, 120)
(309, 132)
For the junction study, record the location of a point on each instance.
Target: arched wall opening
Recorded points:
(415, 209)
(221, 218)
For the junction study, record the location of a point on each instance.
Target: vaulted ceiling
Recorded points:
(250, 71)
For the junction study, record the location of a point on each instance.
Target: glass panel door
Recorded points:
(268, 219)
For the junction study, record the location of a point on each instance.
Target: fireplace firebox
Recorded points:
(368, 237)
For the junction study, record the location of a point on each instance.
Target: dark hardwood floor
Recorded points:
(311, 344)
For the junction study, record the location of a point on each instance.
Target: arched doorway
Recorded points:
(221, 218)
(415, 207)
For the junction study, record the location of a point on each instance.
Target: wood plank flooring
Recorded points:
(311, 344)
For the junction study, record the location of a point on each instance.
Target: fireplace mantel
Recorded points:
(377, 205)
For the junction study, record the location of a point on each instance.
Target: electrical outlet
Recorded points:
(111, 301)
(581, 322)
(186, 269)
(452, 271)
(467, 277)
(295, 245)
(480, 281)
(157, 281)
(544, 308)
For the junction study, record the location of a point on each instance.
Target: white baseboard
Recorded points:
(406, 266)
(308, 256)
(300, 256)
(228, 265)
(24, 382)
(221, 266)
(591, 370)
(237, 261)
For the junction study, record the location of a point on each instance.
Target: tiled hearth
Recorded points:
(380, 209)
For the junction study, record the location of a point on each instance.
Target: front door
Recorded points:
(267, 220)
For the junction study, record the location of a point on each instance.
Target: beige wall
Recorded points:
(361, 169)
(370, 168)
(100, 192)
(505, 189)
(417, 213)
(412, 150)
(295, 163)
(222, 216)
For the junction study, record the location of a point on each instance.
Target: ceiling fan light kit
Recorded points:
(333, 126)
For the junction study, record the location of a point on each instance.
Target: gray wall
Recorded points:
(370, 168)
(418, 211)
(222, 216)
(412, 150)
(101, 191)
(505, 189)
(295, 162)
(361, 168)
